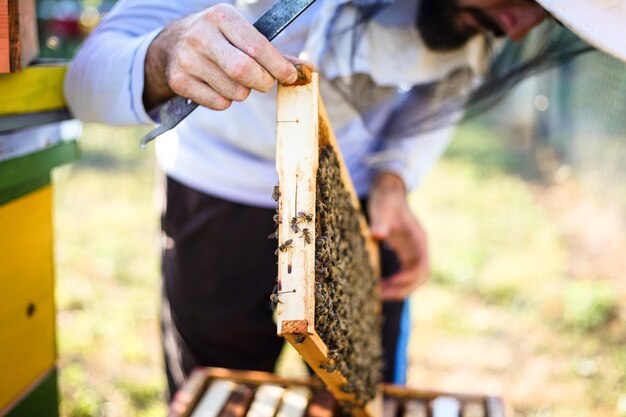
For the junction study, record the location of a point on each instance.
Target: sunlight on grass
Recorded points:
(108, 279)
(502, 312)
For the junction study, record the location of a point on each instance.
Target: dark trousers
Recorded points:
(219, 270)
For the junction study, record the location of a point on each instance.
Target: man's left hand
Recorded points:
(392, 221)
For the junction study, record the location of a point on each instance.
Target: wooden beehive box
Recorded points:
(19, 44)
(30, 148)
(303, 135)
(214, 392)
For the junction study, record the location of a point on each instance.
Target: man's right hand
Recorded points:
(213, 57)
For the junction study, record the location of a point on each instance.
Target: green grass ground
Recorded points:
(526, 297)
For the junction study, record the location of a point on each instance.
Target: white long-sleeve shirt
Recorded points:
(231, 154)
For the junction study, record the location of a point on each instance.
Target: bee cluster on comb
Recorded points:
(347, 317)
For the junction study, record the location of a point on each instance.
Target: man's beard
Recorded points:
(437, 24)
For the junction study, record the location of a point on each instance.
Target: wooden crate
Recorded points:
(19, 43)
(214, 392)
(302, 130)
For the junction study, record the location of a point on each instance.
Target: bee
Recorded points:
(273, 235)
(323, 252)
(306, 235)
(294, 224)
(302, 216)
(276, 193)
(328, 367)
(274, 297)
(322, 272)
(347, 388)
(286, 245)
(276, 218)
(300, 339)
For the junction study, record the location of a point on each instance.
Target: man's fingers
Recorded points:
(234, 63)
(381, 218)
(380, 230)
(396, 292)
(402, 284)
(411, 247)
(294, 60)
(190, 87)
(241, 34)
(212, 75)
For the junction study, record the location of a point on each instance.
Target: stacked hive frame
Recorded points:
(216, 392)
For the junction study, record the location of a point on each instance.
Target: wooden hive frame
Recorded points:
(233, 397)
(187, 400)
(302, 129)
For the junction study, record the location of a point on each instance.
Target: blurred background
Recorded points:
(526, 215)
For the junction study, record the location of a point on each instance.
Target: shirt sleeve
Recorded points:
(413, 155)
(106, 79)
(412, 158)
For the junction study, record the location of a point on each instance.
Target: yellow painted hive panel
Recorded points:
(27, 345)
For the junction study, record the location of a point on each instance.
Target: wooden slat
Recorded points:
(188, 396)
(238, 403)
(495, 407)
(415, 408)
(27, 346)
(26, 47)
(474, 409)
(314, 352)
(423, 394)
(266, 401)
(391, 406)
(297, 159)
(5, 42)
(294, 403)
(213, 401)
(37, 88)
(413, 402)
(257, 377)
(17, 20)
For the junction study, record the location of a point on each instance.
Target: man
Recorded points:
(218, 266)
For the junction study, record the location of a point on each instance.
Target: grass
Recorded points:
(506, 311)
(108, 279)
(520, 302)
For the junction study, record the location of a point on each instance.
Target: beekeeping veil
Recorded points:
(372, 51)
(599, 22)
